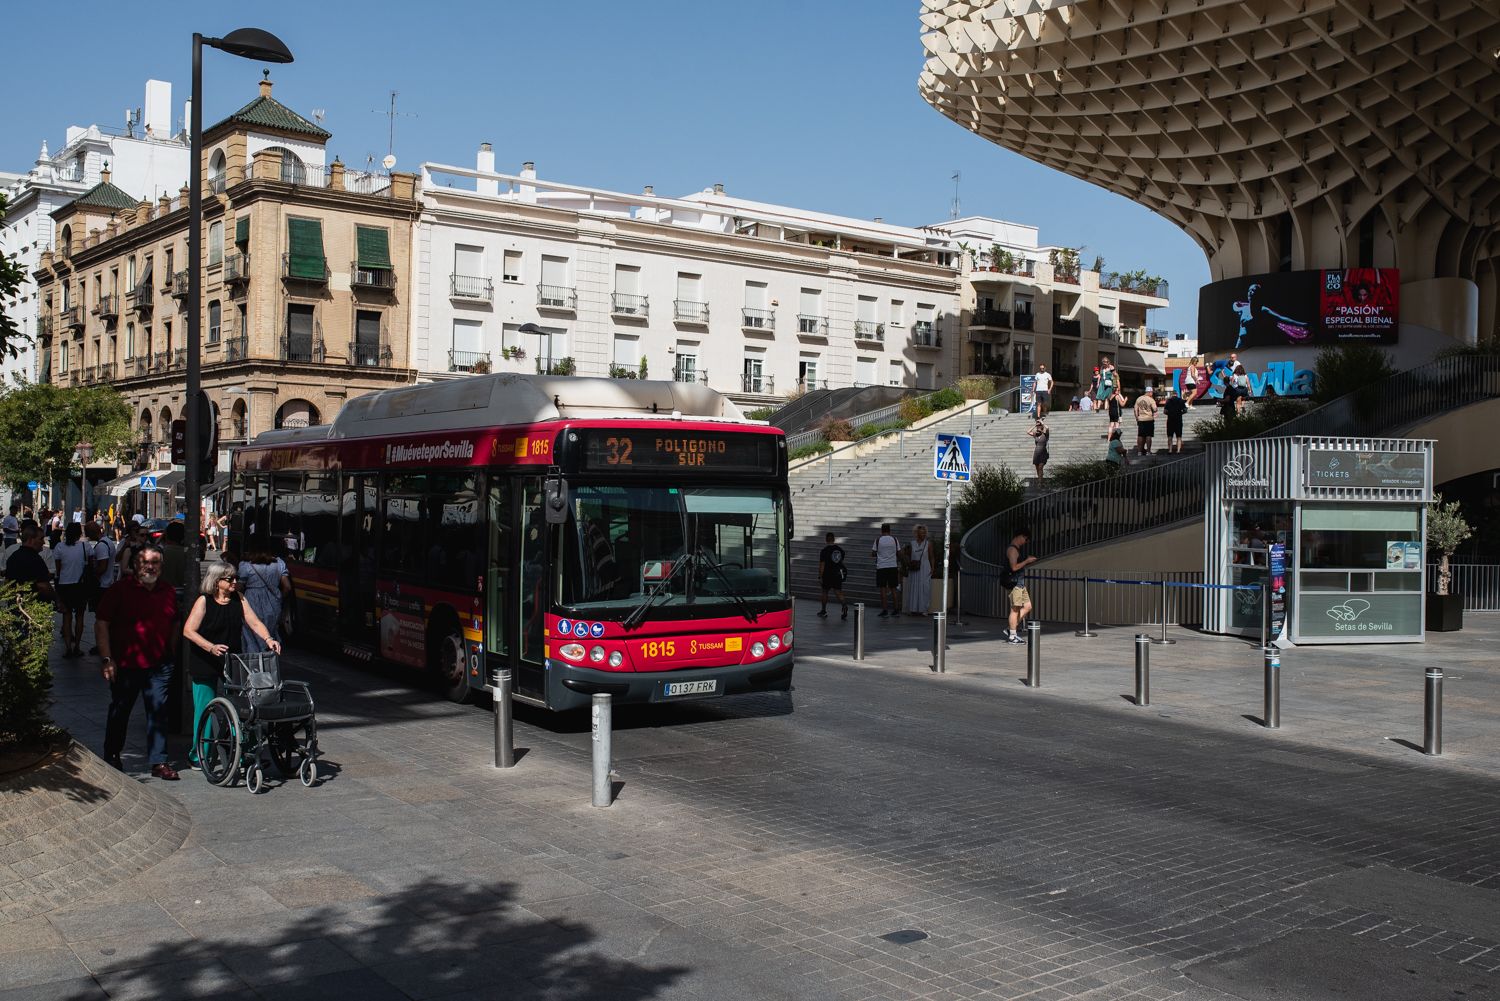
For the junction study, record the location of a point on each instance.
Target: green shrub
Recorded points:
(946, 399)
(807, 451)
(761, 413)
(1079, 472)
(975, 387)
(1260, 416)
(991, 490)
(914, 409)
(25, 678)
(1352, 368)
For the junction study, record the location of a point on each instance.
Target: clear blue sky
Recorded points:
(807, 104)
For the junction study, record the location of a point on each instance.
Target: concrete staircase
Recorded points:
(881, 484)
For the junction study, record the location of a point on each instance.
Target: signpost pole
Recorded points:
(941, 661)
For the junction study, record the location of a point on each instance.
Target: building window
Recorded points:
(129, 341)
(215, 247)
(467, 354)
(300, 342)
(512, 272)
(685, 367)
(167, 257)
(807, 373)
(627, 356)
(366, 338)
(898, 313)
(898, 374)
(214, 319)
(130, 274)
(305, 258)
(864, 372)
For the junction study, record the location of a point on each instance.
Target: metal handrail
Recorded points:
(970, 410)
(1152, 498)
(878, 416)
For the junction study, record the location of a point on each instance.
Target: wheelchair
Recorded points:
(260, 722)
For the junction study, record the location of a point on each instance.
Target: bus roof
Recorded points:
(507, 398)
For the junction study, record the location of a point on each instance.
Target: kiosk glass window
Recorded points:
(1361, 571)
(1254, 528)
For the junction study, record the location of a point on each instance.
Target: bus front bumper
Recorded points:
(572, 687)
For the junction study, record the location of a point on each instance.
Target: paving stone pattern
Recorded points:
(1044, 844)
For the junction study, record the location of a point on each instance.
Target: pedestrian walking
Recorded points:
(1174, 407)
(215, 627)
(1116, 404)
(101, 558)
(25, 564)
(1241, 388)
(1043, 390)
(1192, 377)
(887, 555)
(1039, 453)
(1016, 561)
(831, 573)
(1145, 422)
(73, 566)
(1109, 382)
(1115, 451)
(134, 630)
(55, 529)
(920, 557)
(10, 526)
(266, 583)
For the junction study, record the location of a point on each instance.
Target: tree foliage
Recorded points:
(1447, 529)
(40, 425)
(11, 277)
(25, 678)
(1352, 368)
(990, 490)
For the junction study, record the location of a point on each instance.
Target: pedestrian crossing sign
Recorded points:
(148, 484)
(950, 461)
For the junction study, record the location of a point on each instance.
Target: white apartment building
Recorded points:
(513, 273)
(1027, 304)
(146, 158)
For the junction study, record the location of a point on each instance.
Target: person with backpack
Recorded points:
(76, 578)
(832, 572)
(1016, 562)
(101, 561)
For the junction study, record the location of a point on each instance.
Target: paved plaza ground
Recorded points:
(883, 832)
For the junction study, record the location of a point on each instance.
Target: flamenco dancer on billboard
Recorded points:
(1259, 322)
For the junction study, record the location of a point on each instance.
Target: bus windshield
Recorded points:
(624, 543)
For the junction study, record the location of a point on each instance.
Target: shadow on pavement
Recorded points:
(658, 715)
(434, 938)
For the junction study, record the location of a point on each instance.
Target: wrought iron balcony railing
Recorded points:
(72, 317)
(142, 297)
(468, 361)
(556, 297)
(301, 348)
(1024, 319)
(1067, 328)
(106, 372)
(750, 383)
(159, 361)
(376, 278)
(108, 307)
(687, 311)
(237, 348)
(369, 355)
(306, 269)
(869, 330)
(180, 284)
(625, 304)
(991, 318)
(236, 268)
(179, 358)
(925, 335)
(752, 318)
(813, 326)
(471, 287)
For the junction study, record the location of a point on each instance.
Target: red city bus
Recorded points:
(591, 535)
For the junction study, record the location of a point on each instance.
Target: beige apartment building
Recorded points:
(306, 272)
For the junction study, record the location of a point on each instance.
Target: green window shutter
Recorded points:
(374, 247)
(305, 249)
(242, 230)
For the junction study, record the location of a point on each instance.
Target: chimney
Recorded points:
(104, 174)
(265, 83)
(485, 164)
(528, 173)
(878, 219)
(650, 190)
(718, 189)
(158, 109)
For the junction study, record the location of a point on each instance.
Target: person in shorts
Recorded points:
(73, 590)
(1043, 390)
(1174, 407)
(1016, 561)
(887, 555)
(1145, 422)
(831, 574)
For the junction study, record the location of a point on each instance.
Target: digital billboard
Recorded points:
(1291, 308)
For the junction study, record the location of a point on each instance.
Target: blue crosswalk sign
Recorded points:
(148, 484)
(950, 460)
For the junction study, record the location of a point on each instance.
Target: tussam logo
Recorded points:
(1349, 611)
(1239, 469)
(428, 453)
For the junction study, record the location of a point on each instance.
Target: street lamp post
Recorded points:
(85, 456)
(532, 328)
(248, 43)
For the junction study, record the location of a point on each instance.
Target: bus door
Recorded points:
(358, 534)
(499, 574)
(532, 595)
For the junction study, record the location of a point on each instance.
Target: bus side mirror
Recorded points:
(555, 500)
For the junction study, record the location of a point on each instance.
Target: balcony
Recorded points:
(689, 373)
(687, 311)
(556, 297)
(236, 269)
(752, 383)
(142, 298)
(180, 284)
(369, 355)
(159, 361)
(105, 372)
(1137, 283)
(305, 268)
(1067, 276)
(86, 375)
(301, 348)
(471, 288)
(990, 318)
(1108, 332)
(752, 318)
(72, 317)
(237, 348)
(468, 361)
(812, 326)
(108, 307)
(68, 378)
(380, 279)
(925, 335)
(1067, 328)
(1024, 320)
(869, 330)
(136, 365)
(218, 183)
(44, 325)
(635, 307)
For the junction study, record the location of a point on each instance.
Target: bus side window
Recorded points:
(533, 590)
(498, 579)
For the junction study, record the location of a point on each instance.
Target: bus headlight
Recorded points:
(596, 654)
(758, 650)
(773, 643)
(786, 638)
(572, 651)
(616, 659)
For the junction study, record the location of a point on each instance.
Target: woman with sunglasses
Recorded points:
(214, 628)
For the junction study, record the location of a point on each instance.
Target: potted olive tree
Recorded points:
(1446, 531)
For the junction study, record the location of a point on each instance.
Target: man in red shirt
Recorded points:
(135, 628)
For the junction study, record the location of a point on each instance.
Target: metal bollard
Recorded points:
(1085, 632)
(1033, 655)
(940, 642)
(1142, 669)
(505, 744)
(859, 630)
(1432, 717)
(1265, 615)
(1272, 714)
(1164, 641)
(603, 713)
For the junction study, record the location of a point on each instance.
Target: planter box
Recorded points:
(1445, 612)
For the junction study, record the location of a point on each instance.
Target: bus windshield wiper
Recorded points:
(705, 557)
(638, 613)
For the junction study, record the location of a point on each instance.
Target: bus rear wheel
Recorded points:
(450, 662)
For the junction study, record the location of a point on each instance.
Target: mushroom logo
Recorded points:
(1349, 611)
(1239, 465)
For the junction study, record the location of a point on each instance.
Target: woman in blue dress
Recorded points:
(265, 583)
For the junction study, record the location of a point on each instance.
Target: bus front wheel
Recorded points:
(450, 660)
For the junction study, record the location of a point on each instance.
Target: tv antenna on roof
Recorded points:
(953, 209)
(319, 114)
(390, 145)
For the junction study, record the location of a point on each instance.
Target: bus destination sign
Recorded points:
(620, 451)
